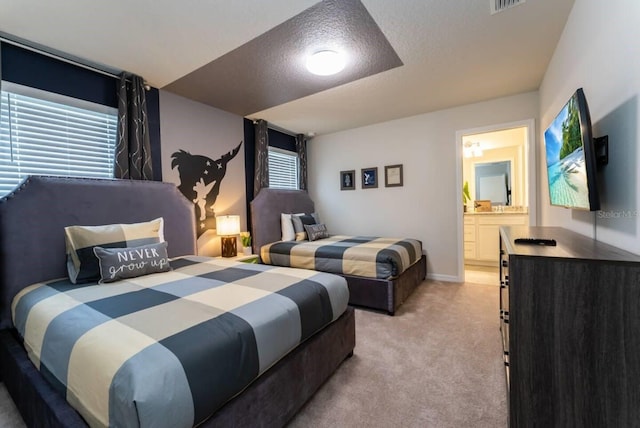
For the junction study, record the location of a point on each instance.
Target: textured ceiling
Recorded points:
(270, 69)
(454, 52)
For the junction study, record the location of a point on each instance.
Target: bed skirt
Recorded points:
(386, 294)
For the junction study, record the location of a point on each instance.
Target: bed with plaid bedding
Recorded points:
(169, 349)
(370, 257)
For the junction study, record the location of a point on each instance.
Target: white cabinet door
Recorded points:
(488, 236)
(469, 237)
(487, 245)
(469, 250)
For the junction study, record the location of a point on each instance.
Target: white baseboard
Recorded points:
(445, 278)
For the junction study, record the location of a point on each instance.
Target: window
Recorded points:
(49, 134)
(283, 169)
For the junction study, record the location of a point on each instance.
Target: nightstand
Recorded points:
(244, 258)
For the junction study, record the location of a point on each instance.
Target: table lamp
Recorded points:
(227, 226)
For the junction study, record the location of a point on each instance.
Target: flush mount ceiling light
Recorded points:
(326, 63)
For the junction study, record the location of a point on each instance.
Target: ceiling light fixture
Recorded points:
(326, 63)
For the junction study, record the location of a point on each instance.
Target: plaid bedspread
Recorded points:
(169, 349)
(371, 257)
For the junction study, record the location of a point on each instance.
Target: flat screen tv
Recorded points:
(571, 157)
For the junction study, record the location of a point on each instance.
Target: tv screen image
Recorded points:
(571, 157)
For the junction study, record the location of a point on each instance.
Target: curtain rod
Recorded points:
(55, 54)
(277, 128)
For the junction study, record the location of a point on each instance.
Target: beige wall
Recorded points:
(599, 52)
(427, 206)
(207, 131)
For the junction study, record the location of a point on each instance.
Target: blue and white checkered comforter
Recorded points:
(169, 349)
(366, 256)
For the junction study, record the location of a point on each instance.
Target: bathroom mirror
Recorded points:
(493, 182)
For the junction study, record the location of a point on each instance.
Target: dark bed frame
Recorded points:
(32, 249)
(380, 294)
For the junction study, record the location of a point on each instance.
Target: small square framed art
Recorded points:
(347, 180)
(370, 178)
(393, 176)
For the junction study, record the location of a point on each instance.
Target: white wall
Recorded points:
(203, 130)
(599, 52)
(427, 206)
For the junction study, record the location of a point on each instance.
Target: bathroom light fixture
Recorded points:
(326, 63)
(477, 151)
(467, 149)
(472, 149)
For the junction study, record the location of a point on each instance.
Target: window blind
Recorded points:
(283, 169)
(45, 137)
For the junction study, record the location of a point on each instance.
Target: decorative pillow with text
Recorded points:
(316, 231)
(122, 263)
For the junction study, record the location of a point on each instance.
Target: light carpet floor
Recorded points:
(482, 275)
(437, 363)
(9, 416)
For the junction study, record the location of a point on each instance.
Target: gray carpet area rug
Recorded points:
(436, 363)
(9, 416)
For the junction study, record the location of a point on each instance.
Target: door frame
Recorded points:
(530, 173)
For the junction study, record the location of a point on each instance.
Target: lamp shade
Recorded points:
(228, 225)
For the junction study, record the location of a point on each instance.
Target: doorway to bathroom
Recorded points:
(498, 189)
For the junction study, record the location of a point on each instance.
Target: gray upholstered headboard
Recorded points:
(33, 217)
(266, 208)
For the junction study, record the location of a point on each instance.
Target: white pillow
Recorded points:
(82, 263)
(288, 234)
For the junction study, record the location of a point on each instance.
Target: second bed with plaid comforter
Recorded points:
(365, 256)
(169, 349)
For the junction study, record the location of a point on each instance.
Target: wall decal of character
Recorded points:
(200, 180)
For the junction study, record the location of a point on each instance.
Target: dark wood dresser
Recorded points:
(570, 323)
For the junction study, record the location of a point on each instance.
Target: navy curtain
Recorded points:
(261, 168)
(301, 149)
(133, 148)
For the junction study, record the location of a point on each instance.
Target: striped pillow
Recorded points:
(299, 221)
(82, 263)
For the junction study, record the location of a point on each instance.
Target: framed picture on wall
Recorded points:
(369, 178)
(393, 176)
(348, 180)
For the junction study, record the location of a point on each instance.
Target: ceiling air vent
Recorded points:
(500, 5)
